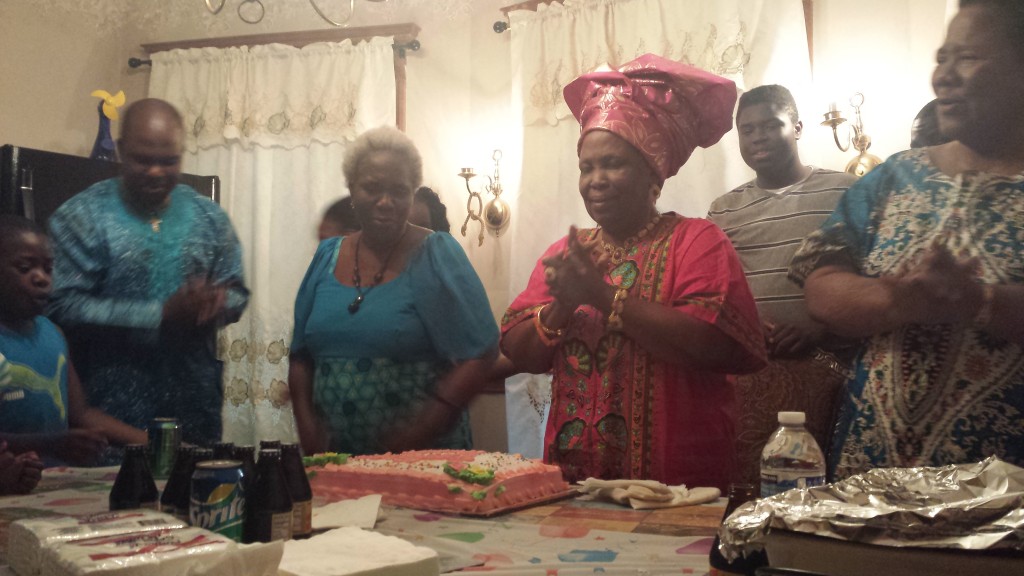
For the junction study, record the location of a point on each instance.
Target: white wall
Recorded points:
(882, 48)
(48, 67)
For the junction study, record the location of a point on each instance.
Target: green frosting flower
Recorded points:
(324, 459)
(471, 474)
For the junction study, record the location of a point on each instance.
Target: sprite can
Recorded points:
(164, 437)
(217, 502)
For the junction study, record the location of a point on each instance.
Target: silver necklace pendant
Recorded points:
(354, 306)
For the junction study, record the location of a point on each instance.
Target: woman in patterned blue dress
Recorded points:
(393, 331)
(924, 257)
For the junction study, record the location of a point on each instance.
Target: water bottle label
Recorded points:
(777, 481)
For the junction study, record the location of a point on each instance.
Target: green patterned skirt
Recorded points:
(362, 399)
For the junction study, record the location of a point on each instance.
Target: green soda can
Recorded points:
(217, 502)
(164, 437)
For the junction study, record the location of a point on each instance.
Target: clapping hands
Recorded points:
(938, 288)
(574, 277)
(196, 305)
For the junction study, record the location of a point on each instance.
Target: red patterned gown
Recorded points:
(616, 411)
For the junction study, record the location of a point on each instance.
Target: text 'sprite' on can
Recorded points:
(164, 437)
(217, 502)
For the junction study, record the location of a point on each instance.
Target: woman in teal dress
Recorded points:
(393, 331)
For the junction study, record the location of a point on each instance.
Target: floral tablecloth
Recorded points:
(565, 538)
(559, 540)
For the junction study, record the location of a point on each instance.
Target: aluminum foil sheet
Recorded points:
(968, 506)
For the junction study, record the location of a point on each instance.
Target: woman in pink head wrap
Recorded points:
(641, 318)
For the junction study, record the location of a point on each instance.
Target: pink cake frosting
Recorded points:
(475, 482)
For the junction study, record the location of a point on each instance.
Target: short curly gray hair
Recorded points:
(386, 139)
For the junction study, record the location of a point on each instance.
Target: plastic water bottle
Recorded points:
(791, 458)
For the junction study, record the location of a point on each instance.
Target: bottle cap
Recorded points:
(792, 418)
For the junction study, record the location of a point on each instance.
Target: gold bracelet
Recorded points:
(549, 337)
(984, 315)
(615, 316)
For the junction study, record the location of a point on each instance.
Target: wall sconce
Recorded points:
(252, 11)
(496, 214)
(860, 141)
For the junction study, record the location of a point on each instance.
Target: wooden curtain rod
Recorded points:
(403, 33)
(808, 17)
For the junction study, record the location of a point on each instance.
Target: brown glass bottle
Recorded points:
(299, 490)
(202, 455)
(175, 498)
(247, 456)
(134, 486)
(269, 514)
(223, 450)
(744, 565)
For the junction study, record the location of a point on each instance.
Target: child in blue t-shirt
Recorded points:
(42, 406)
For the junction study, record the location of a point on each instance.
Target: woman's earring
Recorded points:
(656, 191)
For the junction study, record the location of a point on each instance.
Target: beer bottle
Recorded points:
(202, 455)
(175, 499)
(270, 445)
(299, 490)
(223, 450)
(134, 486)
(270, 508)
(744, 565)
(247, 456)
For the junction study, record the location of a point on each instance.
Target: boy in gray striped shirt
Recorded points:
(767, 219)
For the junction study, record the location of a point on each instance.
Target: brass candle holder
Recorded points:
(495, 215)
(859, 140)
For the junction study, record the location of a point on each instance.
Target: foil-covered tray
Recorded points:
(966, 506)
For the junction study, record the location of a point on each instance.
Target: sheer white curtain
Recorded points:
(273, 122)
(752, 42)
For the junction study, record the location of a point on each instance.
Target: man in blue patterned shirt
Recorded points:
(146, 271)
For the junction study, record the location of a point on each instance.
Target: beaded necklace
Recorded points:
(357, 280)
(615, 255)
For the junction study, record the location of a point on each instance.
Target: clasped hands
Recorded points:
(19, 473)
(939, 288)
(575, 277)
(197, 304)
(790, 340)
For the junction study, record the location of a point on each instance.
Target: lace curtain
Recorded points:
(273, 122)
(752, 42)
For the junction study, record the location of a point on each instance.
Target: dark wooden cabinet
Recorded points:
(34, 183)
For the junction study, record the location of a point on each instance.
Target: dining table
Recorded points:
(568, 537)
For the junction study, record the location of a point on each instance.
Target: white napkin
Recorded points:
(646, 494)
(361, 512)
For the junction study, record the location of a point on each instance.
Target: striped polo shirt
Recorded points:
(767, 227)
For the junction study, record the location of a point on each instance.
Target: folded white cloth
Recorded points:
(647, 494)
(362, 512)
